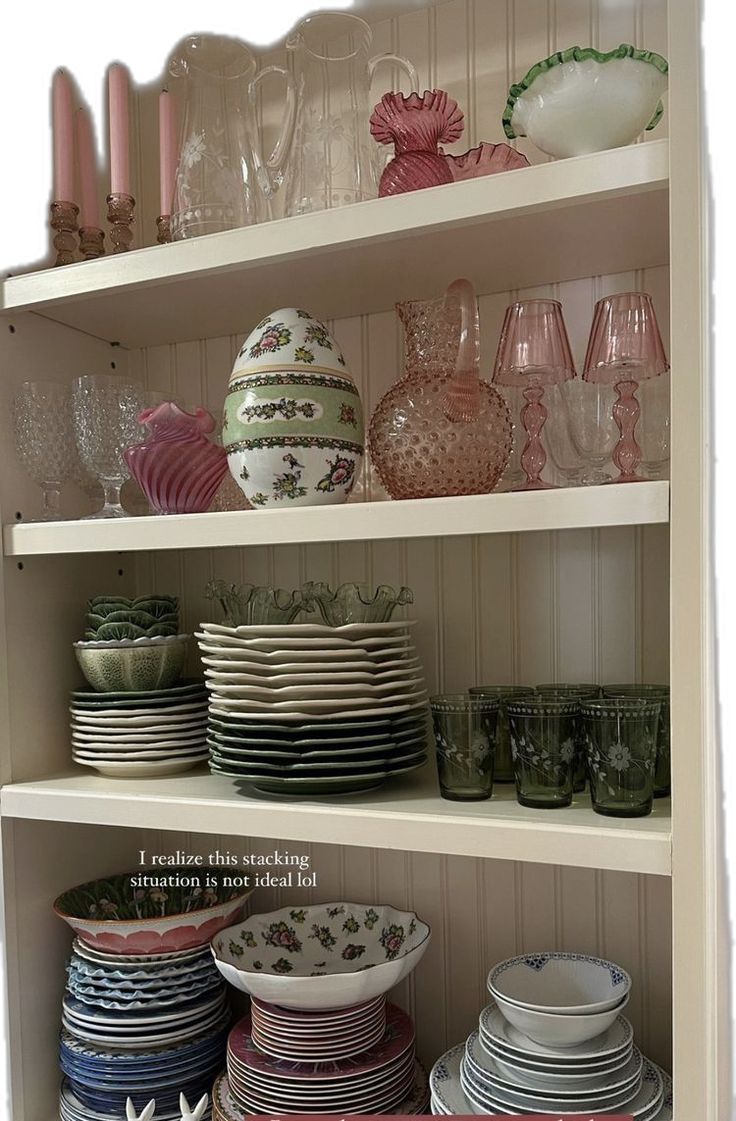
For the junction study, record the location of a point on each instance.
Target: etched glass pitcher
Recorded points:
(333, 160)
(222, 179)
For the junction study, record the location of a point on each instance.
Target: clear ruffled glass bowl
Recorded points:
(247, 605)
(356, 603)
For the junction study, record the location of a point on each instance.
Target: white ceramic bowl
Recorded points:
(582, 100)
(555, 1029)
(566, 984)
(331, 955)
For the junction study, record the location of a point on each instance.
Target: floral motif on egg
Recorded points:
(341, 473)
(318, 333)
(275, 336)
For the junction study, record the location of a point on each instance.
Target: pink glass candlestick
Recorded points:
(63, 128)
(177, 467)
(533, 352)
(168, 153)
(624, 348)
(119, 125)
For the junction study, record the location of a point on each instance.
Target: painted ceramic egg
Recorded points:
(293, 427)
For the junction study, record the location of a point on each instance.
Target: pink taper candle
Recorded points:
(63, 138)
(167, 149)
(90, 208)
(119, 150)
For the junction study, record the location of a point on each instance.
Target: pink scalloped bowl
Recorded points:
(168, 934)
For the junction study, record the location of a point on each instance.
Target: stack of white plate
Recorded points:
(139, 734)
(311, 709)
(449, 1079)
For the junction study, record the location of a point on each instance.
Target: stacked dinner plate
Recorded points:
(312, 709)
(383, 1078)
(139, 734)
(143, 1027)
(317, 1037)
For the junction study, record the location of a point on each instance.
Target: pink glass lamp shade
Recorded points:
(624, 348)
(534, 352)
(177, 467)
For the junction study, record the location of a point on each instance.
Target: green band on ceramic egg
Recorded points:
(308, 405)
(295, 442)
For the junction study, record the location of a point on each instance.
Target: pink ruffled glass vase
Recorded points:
(177, 467)
(440, 430)
(416, 125)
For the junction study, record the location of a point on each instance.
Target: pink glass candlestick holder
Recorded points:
(178, 469)
(120, 216)
(534, 352)
(64, 217)
(625, 347)
(416, 125)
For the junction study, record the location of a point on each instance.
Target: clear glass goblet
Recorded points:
(592, 427)
(106, 411)
(653, 430)
(44, 438)
(560, 444)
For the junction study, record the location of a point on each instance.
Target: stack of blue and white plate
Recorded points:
(553, 1042)
(143, 1027)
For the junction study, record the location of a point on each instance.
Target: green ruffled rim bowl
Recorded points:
(581, 54)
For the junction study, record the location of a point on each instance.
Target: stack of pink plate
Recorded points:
(381, 1078)
(317, 1037)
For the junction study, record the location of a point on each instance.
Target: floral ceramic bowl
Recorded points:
(331, 955)
(582, 100)
(293, 425)
(133, 665)
(117, 916)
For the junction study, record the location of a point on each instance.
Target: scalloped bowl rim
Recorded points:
(132, 643)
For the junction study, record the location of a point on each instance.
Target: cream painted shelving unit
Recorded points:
(601, 583)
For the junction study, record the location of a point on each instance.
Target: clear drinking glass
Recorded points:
(533, 352)
(559, 441)
(543, 749)
(503, 769)
(465, 733)
(334, 159)
(592, 428)
(564, 692)
(106, 410)
(44, 438)
(653, 430)
(621, 742)
(661, 693)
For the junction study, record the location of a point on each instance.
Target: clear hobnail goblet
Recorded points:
(44, 438)
(106, 411)
(592, 428)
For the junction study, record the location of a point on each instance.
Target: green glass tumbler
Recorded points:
(543, 749)
(581, 692)
(503, 769)
(465, 733)
(621, 742)
(662, 780)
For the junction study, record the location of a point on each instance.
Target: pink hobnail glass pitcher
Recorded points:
(441, 430)
(177, 467)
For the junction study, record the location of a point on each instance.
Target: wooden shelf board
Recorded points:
(550, 222)
(569, 508)
(406, 815)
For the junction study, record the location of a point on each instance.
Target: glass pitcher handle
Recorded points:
(404, 64)
(270, 171)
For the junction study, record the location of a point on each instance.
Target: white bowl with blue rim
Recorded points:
(555, 1029)
(563, 984)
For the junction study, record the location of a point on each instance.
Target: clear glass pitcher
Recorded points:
(333, 160)
(222, 179)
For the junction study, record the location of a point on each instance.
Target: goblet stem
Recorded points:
(51, 492)
(627, 453)
(113, 507)
(533, 457)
